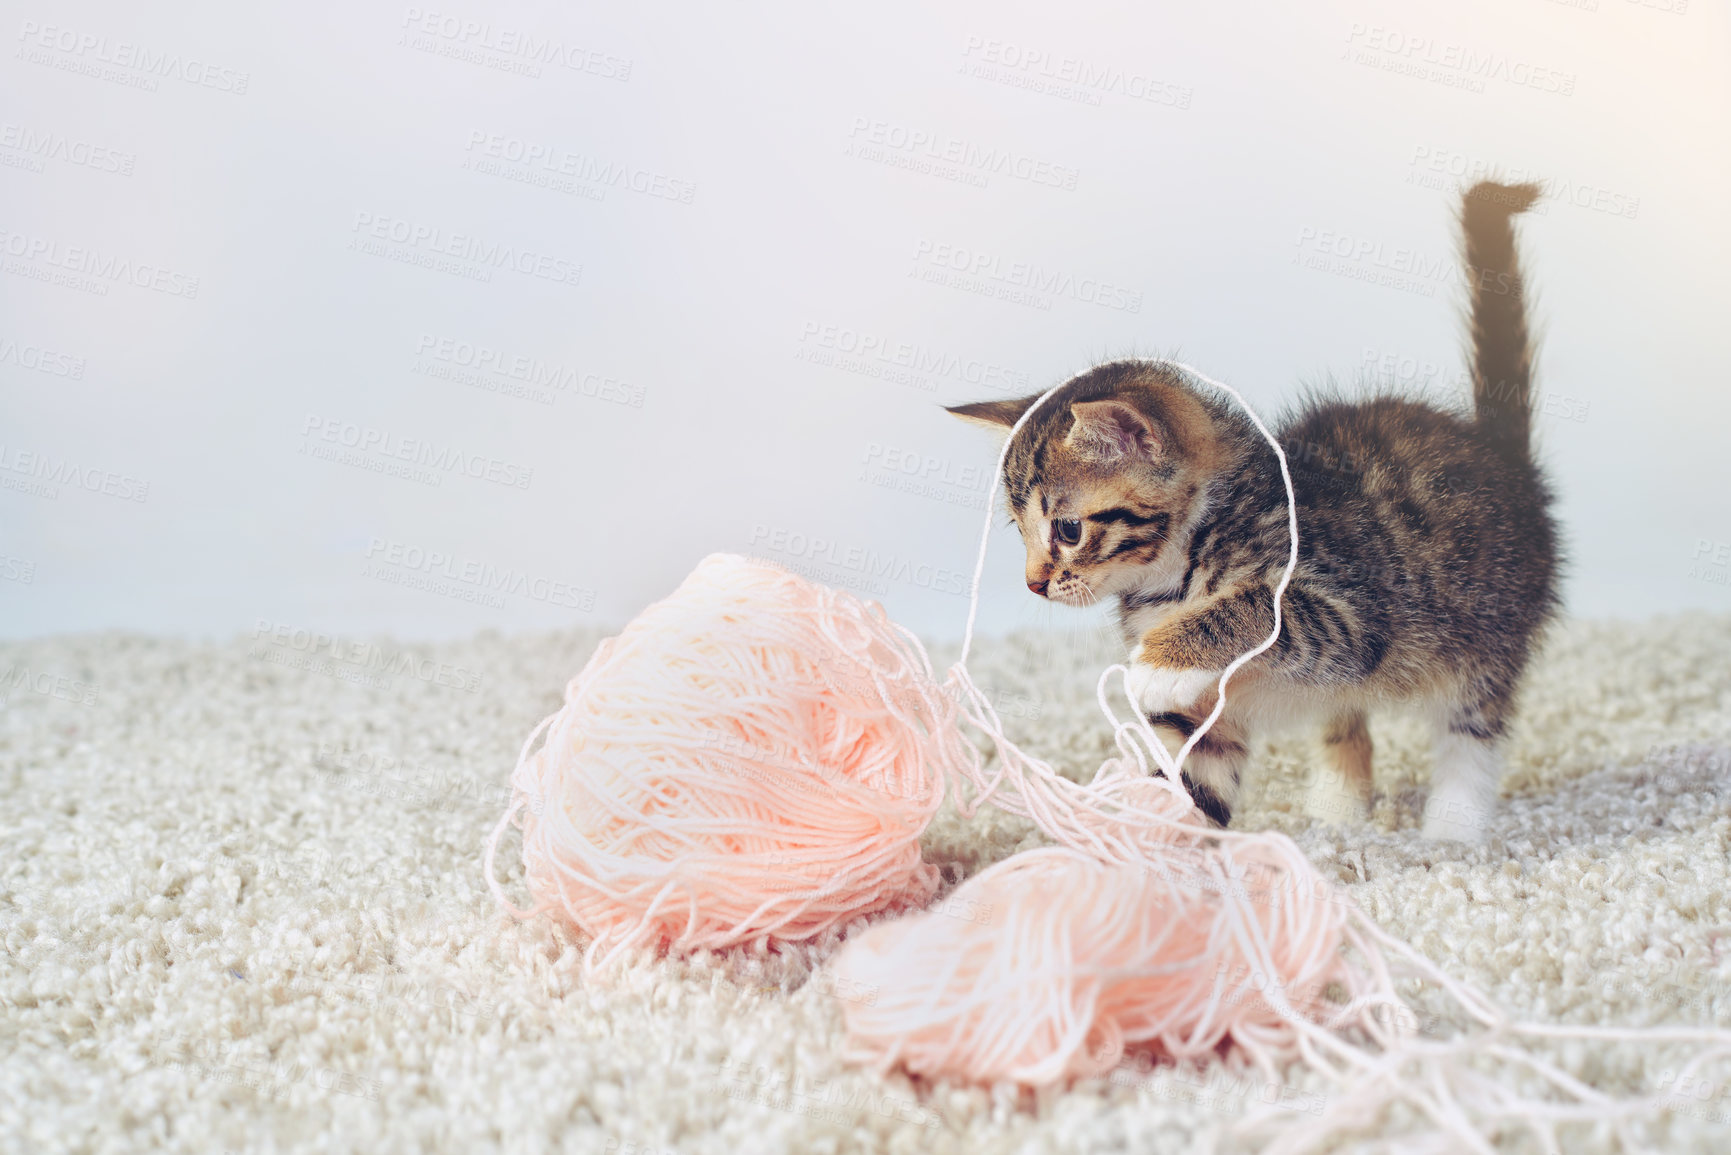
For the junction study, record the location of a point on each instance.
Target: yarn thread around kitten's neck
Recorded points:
(1171, 764)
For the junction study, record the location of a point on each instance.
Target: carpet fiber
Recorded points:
(242, 910)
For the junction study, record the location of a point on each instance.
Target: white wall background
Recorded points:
(155, 464)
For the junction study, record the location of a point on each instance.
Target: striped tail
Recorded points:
(1502, 350)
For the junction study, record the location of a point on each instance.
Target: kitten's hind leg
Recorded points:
(1214, 770)
(1466, 778)
(1340, 790)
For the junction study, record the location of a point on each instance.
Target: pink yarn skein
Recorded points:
(751, 759)
(1074, 959)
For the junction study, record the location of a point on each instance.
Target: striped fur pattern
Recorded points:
(1428, 558)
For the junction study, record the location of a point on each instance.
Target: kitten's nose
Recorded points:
(1038, 587)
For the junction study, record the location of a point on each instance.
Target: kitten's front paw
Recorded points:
(1455, 816)
(1160, 691)
(1463, 790)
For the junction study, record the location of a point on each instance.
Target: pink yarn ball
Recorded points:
(1047, 965)
(752, 758)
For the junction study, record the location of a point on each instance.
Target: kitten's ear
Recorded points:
(993, 414)
(1109, 430)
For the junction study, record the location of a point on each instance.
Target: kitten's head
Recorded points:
(1104, 475)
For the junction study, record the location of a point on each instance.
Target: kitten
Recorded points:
(1427, 562)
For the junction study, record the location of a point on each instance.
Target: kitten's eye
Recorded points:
(1067, 531)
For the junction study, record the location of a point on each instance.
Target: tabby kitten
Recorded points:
(1427, 556)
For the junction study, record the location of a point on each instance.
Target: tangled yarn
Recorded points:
(754, 759)
(751, 759)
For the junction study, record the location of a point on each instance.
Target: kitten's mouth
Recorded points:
(1070, 593)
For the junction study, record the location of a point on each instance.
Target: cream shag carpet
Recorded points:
(242, 910)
